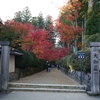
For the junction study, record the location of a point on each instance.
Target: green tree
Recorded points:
(41, 21)
(34, 21)
(23, 16)
(93, 24)
(38, 21)
(49, 23)
(26, 15)
(49, 26)
(18, 16)
(93, 21)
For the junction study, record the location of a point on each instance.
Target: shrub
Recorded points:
(27, 60)
(35, 61)
(20, 60)
(73, 63)
(70, 61)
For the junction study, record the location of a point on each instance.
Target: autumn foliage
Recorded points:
(66, 25)
(33, 39)
(67, 33)
(43, 47)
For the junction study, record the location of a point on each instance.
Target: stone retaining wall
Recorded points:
(86, 78)
(23, 72)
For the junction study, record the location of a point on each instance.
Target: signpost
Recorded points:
(81, 55)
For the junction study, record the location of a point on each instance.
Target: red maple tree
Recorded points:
(32, 39)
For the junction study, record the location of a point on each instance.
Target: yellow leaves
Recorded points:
(22, 43)
(37, 51)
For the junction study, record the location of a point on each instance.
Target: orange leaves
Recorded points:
(66, 25)
(70, 17)
(71, 9)
(33, 39)
(66, 32)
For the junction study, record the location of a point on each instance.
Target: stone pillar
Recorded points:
(95, 54)
(5, 54)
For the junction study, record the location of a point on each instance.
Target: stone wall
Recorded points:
(23, 72)
(86, 78)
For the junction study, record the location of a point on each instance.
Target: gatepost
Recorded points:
(95, 54)
(5, 54)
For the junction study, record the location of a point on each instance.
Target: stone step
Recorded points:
(46, 87)
(58, 86)
(47, 90)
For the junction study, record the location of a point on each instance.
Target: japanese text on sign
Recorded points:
(95, 61)
(81, 55)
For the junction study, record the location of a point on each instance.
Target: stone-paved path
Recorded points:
(55, 76)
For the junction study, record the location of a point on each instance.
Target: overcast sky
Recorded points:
(47, 7)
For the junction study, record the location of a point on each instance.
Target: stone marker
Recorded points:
(95, 54)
